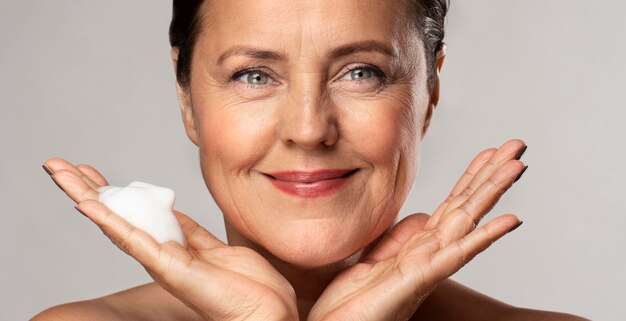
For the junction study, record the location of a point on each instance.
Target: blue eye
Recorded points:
(364, 73)
(252, 77)
(363, 78)
(361, 73)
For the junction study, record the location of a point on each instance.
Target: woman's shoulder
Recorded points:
(96, 310)
(454, 301)
(148, 302)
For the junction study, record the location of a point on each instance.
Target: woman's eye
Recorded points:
(254, 77)
(360, 73)
(362, 79)
(363, 74)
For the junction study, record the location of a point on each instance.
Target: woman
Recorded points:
(309, 123)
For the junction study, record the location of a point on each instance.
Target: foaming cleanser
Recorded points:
(146, 206)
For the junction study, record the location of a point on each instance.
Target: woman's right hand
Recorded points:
(421, 251)
(218, 281)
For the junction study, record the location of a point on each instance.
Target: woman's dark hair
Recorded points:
(187, 20)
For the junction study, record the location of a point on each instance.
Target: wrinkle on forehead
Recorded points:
(304, 28)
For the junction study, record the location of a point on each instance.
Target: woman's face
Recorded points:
(308, 116)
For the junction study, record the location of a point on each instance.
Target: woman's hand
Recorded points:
(218, 281)
(421, 250)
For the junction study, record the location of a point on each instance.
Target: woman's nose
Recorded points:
(308, 119)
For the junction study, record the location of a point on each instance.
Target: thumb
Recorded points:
(399, 234)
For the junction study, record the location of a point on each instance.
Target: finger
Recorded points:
(463, 219)
(133, 241)
(58, 164)
(399, 234)
(93, 174)
(75, 187)
(481, 159)
(168, 263)
(454, 256)
(197, 236)
(508, 151)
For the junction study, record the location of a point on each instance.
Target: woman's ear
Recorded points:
(434, 94)
(184, 100)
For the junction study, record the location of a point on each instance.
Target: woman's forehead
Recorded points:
(300, 27)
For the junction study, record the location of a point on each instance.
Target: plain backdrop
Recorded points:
(92, 81)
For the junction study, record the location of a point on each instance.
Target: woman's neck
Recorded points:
(309, 283)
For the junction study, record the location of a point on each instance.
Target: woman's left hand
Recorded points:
(421, 250)
(216, 280)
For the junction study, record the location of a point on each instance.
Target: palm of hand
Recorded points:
(218, 281)
(420, 251)
(229, 282)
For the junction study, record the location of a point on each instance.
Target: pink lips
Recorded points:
(310, 184)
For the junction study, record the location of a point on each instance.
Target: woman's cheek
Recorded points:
(381, 128)
(236, 135)
(384, 133)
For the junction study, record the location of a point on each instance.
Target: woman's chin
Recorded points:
(309, 242)
(311, 259)
(318, 250)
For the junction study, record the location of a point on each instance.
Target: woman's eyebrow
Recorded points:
(249, 52)
(344, 50)
(362, 46)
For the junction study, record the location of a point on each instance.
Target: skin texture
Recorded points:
(311, 117)
(334, 90)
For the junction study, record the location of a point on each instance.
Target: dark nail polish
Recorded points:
(520, 174)
(47, 169)
(521, 152)
(515, 227)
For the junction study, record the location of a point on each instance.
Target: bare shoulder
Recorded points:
(148, 302)
(453, 301)
(84, 310)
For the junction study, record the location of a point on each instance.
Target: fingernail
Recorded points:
(78, 209)
(520, 174)
(47, 169)
(515, 227)
(521, 152)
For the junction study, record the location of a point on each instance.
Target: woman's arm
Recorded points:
(453, 301)
(93, 310)
(144, 302)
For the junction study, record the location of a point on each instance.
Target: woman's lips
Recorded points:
(310, 184)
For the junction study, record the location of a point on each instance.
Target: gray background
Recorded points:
(91, 81)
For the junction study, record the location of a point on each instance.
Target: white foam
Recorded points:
(145, 206)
